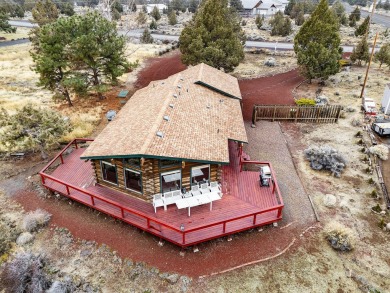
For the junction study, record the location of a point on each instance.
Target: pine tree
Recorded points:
(155, 13)
(193, 6)
(44, 12)
(352, 22)
(383, 55)
(214, 36)
(317, 44)
(172, 20)
(79, 54)
(4, 25)
(360, 53)
(362, 29)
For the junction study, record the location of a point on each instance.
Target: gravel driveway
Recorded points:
(267, 143)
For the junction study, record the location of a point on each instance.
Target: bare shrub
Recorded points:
(34, 220)
(65, 286)
(380, 150)
(25, 273)
(340, 237)
(24, 238)
(356, 122)
(325, 157)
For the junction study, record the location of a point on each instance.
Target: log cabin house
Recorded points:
(170, 135)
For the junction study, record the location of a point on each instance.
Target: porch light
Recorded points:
(182, 227)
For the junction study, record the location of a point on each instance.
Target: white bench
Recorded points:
(158, 201)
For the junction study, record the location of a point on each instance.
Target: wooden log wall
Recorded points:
(313, 114)
(150, 172)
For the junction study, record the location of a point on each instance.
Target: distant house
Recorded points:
(263, 7)
(160, 7)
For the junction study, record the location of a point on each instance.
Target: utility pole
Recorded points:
(372, 52)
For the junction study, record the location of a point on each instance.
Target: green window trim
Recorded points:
(173, 163)
(131, 165)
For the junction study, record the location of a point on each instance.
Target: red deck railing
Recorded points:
(125, 212)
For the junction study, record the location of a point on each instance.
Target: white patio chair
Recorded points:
(195, 190)
(168, 199)
(187, 195)
(158, 201)
(204, 186)
(176, 195)
(214, 187)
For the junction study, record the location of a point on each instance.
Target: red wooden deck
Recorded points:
(244, 204)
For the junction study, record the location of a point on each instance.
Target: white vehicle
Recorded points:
(382, 128)
(369, 106)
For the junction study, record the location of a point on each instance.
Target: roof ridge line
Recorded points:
(159, 116)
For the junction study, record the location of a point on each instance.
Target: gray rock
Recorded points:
(85, 252)
(270, 62)
(321, 100)
(172, 278)
(388, 227)
(330, 200)
(185, 282)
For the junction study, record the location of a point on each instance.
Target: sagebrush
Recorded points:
(35, 220)
(326, 158)
(339, 237)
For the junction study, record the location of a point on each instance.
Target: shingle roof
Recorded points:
(202, 106)
(250, 4)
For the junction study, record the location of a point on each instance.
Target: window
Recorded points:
(109, 172)
(135, 162)
(133, 180)
(169, 163)
(200, 174)
(171, 181)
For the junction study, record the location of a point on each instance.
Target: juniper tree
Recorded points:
(141, 18)
(383, 55)
(317, 44)
(32, 129)
(4, 25)
(236, 4)
(172, 20)
(259, 21)
(360, 53)
(153, 25)
(155, 13)
(289, 7)
(299, 19)
(214, 36)
(280, 25)
(362, 29)
(146, 37)
(355, 14)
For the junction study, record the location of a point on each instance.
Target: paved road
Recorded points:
(377, 18)
(15, 42)
(249, 44)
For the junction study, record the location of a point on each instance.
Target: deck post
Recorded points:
(273, 186)
(75, 144)
(122, 213)
(279, 212)
(43, 179)
(62, 159)
(67, 189)
(184, 237)
(224, 227)
(254, 219)
(148, 223)
(92, 200)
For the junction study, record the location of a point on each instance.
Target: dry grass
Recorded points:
(21, 32)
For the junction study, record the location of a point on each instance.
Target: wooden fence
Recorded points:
(314, 114)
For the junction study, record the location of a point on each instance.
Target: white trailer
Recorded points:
(386, 100)
(382, 128)
(369, 106)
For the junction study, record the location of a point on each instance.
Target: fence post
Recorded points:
(273, 115)
(254, 115)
